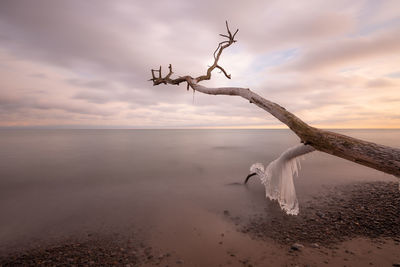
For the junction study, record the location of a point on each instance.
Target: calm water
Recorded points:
(57, 183)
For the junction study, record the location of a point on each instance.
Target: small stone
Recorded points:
(179, 261)
(297, 246)
(315, 245)
(397, 264)
(226, 212)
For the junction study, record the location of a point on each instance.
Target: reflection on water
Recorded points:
(60, 182)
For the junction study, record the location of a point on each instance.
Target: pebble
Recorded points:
(315, 245)
(91, 252)
(358, 211)
(297, 246)
(334, 216)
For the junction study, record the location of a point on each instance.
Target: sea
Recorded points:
(56, 184)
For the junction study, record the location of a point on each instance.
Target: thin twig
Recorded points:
(189, 79)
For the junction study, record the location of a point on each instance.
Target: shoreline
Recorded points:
(326, 232)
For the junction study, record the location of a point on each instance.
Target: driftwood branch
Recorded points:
(158, 79)
(379, 157)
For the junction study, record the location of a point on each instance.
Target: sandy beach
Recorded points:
(337, 229)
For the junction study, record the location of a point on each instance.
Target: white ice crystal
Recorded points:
(278, 177)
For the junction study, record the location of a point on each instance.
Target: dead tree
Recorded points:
(379, 157)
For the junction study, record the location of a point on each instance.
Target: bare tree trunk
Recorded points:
(383, 158)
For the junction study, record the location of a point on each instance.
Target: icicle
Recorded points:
(278, 177)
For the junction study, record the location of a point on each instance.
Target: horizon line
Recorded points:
(181, 128)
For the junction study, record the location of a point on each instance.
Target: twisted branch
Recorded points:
(379, 157)
(158, 79)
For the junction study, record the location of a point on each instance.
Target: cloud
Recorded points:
(348, 50)
(88, 62)
(380, 83)
(12, 104)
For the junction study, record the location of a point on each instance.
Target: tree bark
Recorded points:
(383, 158)
(379, 157)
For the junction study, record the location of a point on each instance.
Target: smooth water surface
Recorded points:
(57, 183)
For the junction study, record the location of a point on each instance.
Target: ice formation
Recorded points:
(278, 177)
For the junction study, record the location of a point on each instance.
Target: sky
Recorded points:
(86, 64)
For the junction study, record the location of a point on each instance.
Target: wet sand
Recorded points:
(234, 251)
(353, 225)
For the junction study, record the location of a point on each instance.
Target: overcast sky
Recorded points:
(85, 64)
